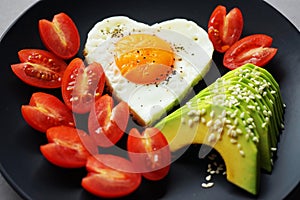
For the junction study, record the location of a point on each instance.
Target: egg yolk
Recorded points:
(144, 58)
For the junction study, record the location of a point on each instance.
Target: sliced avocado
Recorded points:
(240, 116)
(249, 117)
(239, 153)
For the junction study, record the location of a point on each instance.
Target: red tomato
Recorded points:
(149, 152)
(224, 30)
(39, 68)
(82, 85)
(68, 147)
(107, 123)
(45, 111)
(253, 49)
(110, 176)
(60, 36)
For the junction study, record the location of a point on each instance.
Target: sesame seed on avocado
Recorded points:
(240, 115)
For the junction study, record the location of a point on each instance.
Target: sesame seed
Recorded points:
(208, 178)
(273, 92)
(247, 136)
(258, 108)
(265, 112)
(224, 173)
(258, 96)
(267, 119)
(212, 172)
(250, 120)
(227, 121)
(190, 123)
(211, 137)
(242, 153)
(242, 115)
(223, 114)
(239, 146)
(209, 123)
(251, 107)
(203, 111)
(271, 101)
(233, 141)
(282, 125)
(191, 113)
(264, 125)
(196, 119)
(284, 105)
(207, 185)
(255, 139)
(273, 149)
(271, 160)
(239, 131)
(212, 114)
(269, 113)
(264, 93)
(183, 120)
(236, 121)
(203, 120)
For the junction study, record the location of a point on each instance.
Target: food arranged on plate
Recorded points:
(142, 72)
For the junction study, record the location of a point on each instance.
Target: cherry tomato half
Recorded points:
(60, 36)
(45, 111)
(68, 147)
(149, 152)
(224, 30)
(110, 176)
(107, 123)
(39, 68)
(253, 49)
(81, 85)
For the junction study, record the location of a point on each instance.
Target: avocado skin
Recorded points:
(245, 152)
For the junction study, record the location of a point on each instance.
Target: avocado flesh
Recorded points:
(262, 134)
(180, 132)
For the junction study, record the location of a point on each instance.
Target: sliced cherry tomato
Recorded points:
(60, 36)
(81, 85)
(149, 152)
(110, 176)
(107, 123)
(68, 147)
(45, 111)
(224, 30)
(253, 49)
(39, 68)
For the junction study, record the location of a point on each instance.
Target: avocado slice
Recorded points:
(240, 116)
(251, 117)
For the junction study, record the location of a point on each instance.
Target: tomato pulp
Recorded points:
(224, 30)
(39, 68)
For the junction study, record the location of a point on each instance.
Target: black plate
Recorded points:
(34, 178)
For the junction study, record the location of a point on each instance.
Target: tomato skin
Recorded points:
(150, 153)
(107, 123)
(60, 36)
(224, 30)
(39, 68)
(45, 111)
(110, 176)
(68, 147)
(81, 85)
(253, 49)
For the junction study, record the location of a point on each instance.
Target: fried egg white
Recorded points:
(149, 102)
